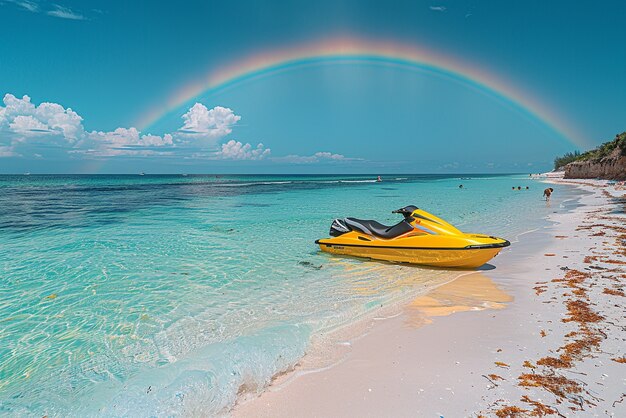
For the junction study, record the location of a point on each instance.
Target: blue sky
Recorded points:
(111, 61)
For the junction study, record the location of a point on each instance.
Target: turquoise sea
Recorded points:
(168, 295)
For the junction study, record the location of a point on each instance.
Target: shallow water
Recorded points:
(166, 295)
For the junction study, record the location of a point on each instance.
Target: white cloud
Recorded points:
(7, 151)
(30, 127)
(27, 125)
(451, 166)
(124, 141)
(315, 158)
(329, 155)
(25, 121)
(56, 10)
(28, 5)
(438, 8)
(15, 106)
(214, 123)
(156, 141)
(23, 117)
(235, 150)
(64, 13)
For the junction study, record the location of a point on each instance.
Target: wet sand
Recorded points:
(471, 292)
(557, 348)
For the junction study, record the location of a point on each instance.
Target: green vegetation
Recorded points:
(566, 159)
(595, 154)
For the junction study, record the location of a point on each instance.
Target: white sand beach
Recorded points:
(541, 334)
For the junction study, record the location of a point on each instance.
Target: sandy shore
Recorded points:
(557, 348)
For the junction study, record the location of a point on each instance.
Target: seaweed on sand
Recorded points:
(511, 412)
(539, 409)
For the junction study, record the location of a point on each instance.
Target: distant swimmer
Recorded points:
(460, 186)
(526, 187)
(519, 187)
(379, 179)
(513, 188)
(547, 193)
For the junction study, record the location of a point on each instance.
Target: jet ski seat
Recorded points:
(374, 228)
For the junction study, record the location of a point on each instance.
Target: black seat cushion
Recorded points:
(371, 227)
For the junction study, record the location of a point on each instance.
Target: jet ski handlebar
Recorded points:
(406, 211)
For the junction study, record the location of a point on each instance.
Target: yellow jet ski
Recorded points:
(420, 238)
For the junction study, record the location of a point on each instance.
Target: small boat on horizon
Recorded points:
(420, 238)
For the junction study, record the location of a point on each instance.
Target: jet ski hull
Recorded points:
(464, 258)
(421, 238)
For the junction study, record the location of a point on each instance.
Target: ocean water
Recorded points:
(169, 295)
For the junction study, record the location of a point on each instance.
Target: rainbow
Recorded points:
(357, 50)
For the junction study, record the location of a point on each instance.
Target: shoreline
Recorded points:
(476, 351)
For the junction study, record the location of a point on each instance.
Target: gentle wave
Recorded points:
(271, 183)
(256, 183)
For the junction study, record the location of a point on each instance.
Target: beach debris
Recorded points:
(52, 296)
(563, 362)
(579, 311)
(597, 268)
(590, 259)
(310, 265)
(542, 333)
(490, 380)
(559, 386)
(511, 412)
(501, 364)
(539, 409)
(549, 254)
(614, 292)
(619, 360)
